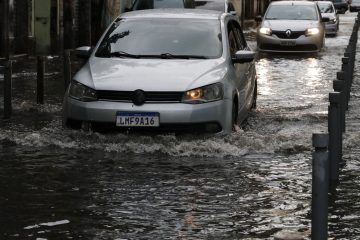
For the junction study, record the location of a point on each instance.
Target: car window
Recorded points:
(231, 7)
(239, 36)
(233, 41)
(326, 7)
(150, 4)
(291, 12)
(158, 36)
(210, 5)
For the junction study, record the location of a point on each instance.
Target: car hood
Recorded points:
(121, 74)
(294, 25)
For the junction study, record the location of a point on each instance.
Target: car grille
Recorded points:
(128, 96)
(294, 35)
(273, 47)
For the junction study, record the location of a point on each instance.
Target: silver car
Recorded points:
(165, 68)
(291, 26)
(327, 9)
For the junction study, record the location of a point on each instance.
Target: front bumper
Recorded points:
(303, 44)
(218, 112)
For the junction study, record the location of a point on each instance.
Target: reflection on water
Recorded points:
(64, 184)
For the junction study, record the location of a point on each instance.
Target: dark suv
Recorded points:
(340, 5)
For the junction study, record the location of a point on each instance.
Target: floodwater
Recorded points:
(252, 184)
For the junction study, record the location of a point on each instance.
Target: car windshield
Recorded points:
(291, 12)
(326, 7)
(163, 38)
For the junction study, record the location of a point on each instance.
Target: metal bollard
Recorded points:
(7, 70)
(40, 79)
(345, 67)
(335, 136)
(67, 68)
(338, 86)
(320, 187)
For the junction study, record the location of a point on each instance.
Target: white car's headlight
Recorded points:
(334, 20)
(210, 93)
(82, 92)
(312, 31)
(265, 30)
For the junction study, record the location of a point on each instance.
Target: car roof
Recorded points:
(173, 13)
(292, 3)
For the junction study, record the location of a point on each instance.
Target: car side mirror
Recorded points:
(83, 52)
(127, 9)
(258, 19)
(233, 13)
(325, 19)
(244, 56)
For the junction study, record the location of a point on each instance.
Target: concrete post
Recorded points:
(335, 136)
(40, 79)
(320, 187)
(7, 70)
(339, 86)
(67, 68)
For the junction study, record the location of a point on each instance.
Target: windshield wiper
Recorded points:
(172, 56)
(124, 54)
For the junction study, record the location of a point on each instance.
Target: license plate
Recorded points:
(137, 119)
(287, 43)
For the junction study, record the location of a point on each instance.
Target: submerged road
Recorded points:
(57, 183)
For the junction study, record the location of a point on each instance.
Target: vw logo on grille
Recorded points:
(288, 33)
(138, 97)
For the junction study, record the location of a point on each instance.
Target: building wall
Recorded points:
(75, 22)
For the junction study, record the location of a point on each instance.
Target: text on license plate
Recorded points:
(288, 43)
(137, 119)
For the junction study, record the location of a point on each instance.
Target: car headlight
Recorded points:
(265, 30)
(334, 20)
(312, 31)
(82, 92)
(204, 94)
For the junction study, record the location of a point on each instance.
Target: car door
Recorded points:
(241, 70)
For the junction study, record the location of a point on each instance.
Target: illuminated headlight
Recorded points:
(333, 20)
(82, 92)
(312, 31)
(265, 30)
(205, 94)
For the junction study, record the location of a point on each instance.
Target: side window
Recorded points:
(231, 8)
(232, 39)
(240, 37)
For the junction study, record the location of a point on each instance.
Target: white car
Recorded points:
(291, 26)
(166, 68)
(327, 9)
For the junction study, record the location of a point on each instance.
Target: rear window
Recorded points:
(210, 5)
(151, 4)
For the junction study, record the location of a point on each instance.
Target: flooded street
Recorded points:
(65, 184)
